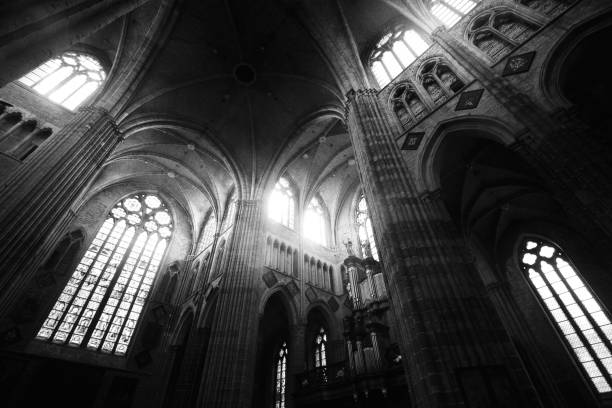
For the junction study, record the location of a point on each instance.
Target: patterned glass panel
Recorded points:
(573, 307)
(364, 228)
(101, 303)
(281, 378)
(67, 80)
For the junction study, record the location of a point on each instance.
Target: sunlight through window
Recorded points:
(364, 228)
(67, 80)
(314, 222)
(394, 52)
(281, 205)
(451, 11)
(102, 302)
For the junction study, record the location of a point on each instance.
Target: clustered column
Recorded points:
(446, 323)
(230, 360)
(35, 199)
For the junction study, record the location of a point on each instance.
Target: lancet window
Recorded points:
(314, 222)
(570, 303)
(281, 207)
(320, 348)
(364, 228)
(498, 32)
(67, 80)
(208, 235)
(439, 80)
(394, 52)
(100, 305)
(451, 11)
(280, 383)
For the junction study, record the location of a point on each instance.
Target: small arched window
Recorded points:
(571, 304)
(320, 348)
(498, 32)
(407, 105)
(281, 207)
(364, 228)
(451, 11)
(314, 222)
(395, 52)
(439, 80)
(280, 377)
(102, 302)
(67, 80)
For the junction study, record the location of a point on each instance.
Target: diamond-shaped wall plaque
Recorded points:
(270, 279)
(518, 64)
(412, 140)
(469, 99)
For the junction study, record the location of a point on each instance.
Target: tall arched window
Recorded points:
(280, 378)
(281, 207)
(314, 222)
(439, 80)
(68, 79)
(208, 235)
(451, 11)
(101, 303)
(578, 315)
(364, 228)
(407, 105)
(394, 52)
(320, 348)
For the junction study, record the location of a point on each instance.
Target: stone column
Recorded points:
(445, 322)
(36, 32)
(565, 155)
(35, 199)
(230, 361)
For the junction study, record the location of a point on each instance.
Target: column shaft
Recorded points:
(446, 323)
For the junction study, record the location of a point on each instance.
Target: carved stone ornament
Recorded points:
(518, 64)
(469, 99)
(412, 140)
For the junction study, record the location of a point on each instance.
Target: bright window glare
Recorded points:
(281, 205)
(67, 80)
(364, 228)
(394, 53)
(314, 222)
(451, 11)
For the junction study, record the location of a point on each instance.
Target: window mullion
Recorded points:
(414, 53)
(85, 275)
(382, 63)
(452, 8)
(95, 285)
(109, 291)
(60, 84)
(144, 273)
(577, 329)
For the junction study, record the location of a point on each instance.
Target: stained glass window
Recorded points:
(281, 378)
(451, 11)
(364, 228)
(101, 303)
(314, 222)
(67, 80)
(320, 353)
(572, 305)
(281, 207)
(395, 52)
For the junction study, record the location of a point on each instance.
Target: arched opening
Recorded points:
(273, 344)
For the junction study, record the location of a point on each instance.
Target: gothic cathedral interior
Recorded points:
(305, 204)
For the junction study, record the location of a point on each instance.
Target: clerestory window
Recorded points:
(394, 53)
(364, 229)
(67, 80)
(281, 206)
(571, 304)
(280, 378)
(100, 305)
(451, 11)
(314, 222)
(208, 235)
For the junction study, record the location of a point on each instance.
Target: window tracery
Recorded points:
(67, 80)
(364, 228)
(314, 222)
(281, 378)
(281, 206)
(450, 12)
(578, 315)
(394, 53)
(100, 305)
(320, 348)
(498, 32)
(407, 105)
(439, 80)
